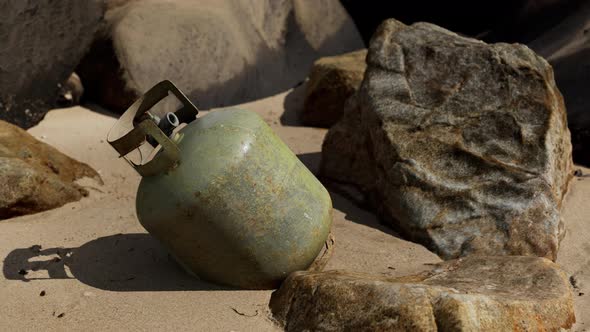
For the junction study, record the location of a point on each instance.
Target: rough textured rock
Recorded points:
(567, 48)
(42, 42)
(35, 176)
(219, 52)
(463, 146)
(470, 294)
(331, 82)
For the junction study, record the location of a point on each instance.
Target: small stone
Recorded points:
(573, 281)
(71, 92)
(331, 82)
(42, 293)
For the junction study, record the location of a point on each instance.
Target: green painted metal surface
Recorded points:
(240, 208)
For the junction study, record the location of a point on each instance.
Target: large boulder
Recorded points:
(471, 294)
(220, 52)
(332, 81)
(35, 176)
(42, 42)
(463, 146)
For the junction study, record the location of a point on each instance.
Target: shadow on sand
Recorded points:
(122, 262)
(100, 110)
(347, 198)
(311, 161)
(293, 106)
(359, 213)
(132, 262)
(572, 74)
(138, 262)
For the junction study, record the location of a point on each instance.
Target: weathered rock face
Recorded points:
(462, 145)
(331, 82)
(219, 52)
(471, 294)
(35, 176)
(42, 42)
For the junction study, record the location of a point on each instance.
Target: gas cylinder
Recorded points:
(223, 194)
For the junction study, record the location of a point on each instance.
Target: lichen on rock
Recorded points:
(35, 176)
(461, 145)
(476, 293)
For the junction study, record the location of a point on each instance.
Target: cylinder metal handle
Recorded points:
(144, 128)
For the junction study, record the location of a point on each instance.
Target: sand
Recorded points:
(574, 252)
(113, 276)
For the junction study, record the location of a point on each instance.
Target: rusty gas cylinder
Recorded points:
(226, 197)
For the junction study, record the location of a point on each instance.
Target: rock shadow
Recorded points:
(121, 262)
(347, 198)
(572, 75)
(311, 161)
(359, 211)
(100, 110)
(293, 106)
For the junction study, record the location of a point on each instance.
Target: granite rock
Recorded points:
(35, 176)
(332, 81)
(461, 145)
(478, 293)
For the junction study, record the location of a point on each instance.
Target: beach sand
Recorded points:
(98, 269)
